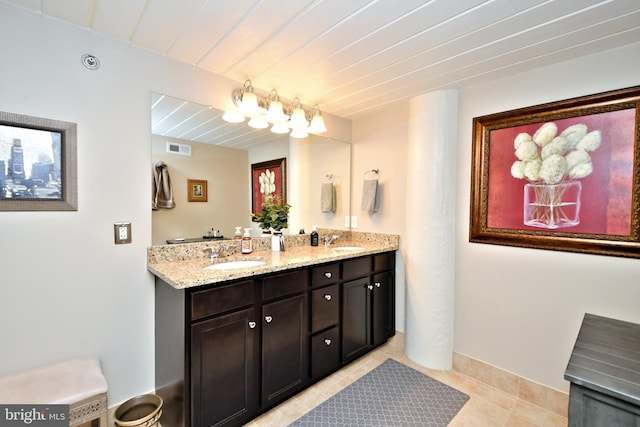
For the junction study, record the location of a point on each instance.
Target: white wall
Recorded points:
(518, 309)
(380, 142)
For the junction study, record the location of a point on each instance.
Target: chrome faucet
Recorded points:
(328, 241)
(222, 251)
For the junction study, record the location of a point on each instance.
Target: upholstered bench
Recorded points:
(78, 383)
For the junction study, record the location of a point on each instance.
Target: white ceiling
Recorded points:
(354, 56)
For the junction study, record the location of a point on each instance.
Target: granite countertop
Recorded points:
(184, 265)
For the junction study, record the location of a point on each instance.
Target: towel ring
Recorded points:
(329, 176)
(375, 171)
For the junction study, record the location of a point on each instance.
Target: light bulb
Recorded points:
(299, 133)
(275, 113)
(233, 117)
(279, 128)
(298, 119)
(258, 123)
(249, 103)
(317, 124)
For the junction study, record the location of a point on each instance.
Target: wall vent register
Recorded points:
(175, 148)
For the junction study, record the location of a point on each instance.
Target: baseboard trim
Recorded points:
(523, 388)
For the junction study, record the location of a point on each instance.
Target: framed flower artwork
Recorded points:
(268, 179)
(560, 176)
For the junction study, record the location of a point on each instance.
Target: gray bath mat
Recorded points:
(390, 395)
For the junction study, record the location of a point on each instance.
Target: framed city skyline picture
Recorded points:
(37, 164)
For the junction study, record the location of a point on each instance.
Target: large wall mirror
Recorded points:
(196, 145)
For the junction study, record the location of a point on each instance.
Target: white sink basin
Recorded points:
(348, 248)
(231, 265)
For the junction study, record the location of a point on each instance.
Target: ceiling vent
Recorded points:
(175, 148)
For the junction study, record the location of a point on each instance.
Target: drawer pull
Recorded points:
(327, 297)
(252, 325)
(370, 287)
(268, 319)
(327, 341)
(378, 284)
(328, 275)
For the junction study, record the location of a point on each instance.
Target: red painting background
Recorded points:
(606, 193)
(278, 167)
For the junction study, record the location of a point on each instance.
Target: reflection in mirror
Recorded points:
(196, 144)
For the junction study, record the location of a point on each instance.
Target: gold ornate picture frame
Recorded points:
(560, 176)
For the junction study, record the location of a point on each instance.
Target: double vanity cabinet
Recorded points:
(228, 351)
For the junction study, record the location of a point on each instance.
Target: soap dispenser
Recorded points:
(238, 233)
(246, 242)
(314, 236)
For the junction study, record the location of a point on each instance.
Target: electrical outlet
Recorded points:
(347, 221)
(122, 232)
(354, 222)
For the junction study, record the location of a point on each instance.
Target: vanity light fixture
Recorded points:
(298, 118)
(233, 117)
(317, 122)
(258, 123)
(275, 112)
(264, 111)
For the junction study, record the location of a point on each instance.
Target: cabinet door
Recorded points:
(384, 323)
(325, 353)
(285, 363)
(223, 369)
(356, 318)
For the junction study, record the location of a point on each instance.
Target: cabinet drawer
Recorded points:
(325, 353)
(384, 261)
(325, 274)
(221, 299)
(279, 285)
(325, 308)
(354, 268)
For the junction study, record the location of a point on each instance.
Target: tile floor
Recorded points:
(487, 405)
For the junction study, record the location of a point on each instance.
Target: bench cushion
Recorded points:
(62, 383)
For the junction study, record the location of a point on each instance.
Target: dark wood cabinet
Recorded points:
(285, 367)
(325, 352)
(368, 310)
(223, 352)
(227, 352)
(356, 318)
(383, 312)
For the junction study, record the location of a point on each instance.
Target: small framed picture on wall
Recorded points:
(197, 190)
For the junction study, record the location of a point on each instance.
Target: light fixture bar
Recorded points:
(265, 110)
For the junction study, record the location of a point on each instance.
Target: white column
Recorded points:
(299, 184)
(430, 235)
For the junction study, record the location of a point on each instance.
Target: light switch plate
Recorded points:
(354, 222)
(122, 232)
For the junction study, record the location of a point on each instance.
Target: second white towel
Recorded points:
(370, 196)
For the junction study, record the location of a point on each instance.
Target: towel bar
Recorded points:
(375, 171)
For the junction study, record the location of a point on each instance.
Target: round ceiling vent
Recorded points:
(90, 61)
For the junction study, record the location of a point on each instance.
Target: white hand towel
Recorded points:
(370, 196)
(328, 197)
